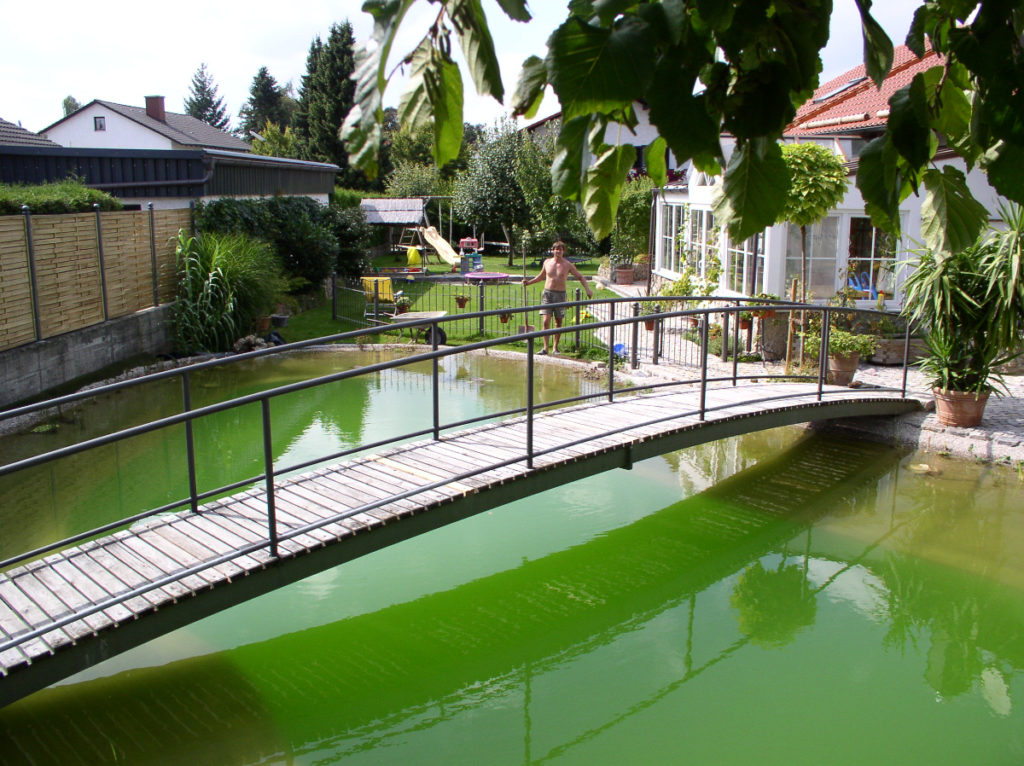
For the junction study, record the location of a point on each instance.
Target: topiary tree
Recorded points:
(817, 184)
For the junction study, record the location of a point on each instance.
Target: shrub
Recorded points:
(343, 197)
(309, 238)
(224, 282)
(68, 196)
(633, 220)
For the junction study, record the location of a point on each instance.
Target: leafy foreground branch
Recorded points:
(704, 68)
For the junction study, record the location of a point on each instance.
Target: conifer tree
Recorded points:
(266, 102)
(70, 104)
(328, 98)
(301, 121)
(203, 102)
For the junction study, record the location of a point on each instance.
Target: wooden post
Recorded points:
(789, 329)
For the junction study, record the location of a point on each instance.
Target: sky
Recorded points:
(123, 52)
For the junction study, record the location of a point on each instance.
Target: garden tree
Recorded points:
(266, 103)
(301, 117)
(415, 179)
(274, 142)
(203, 103)
(329, 96)
(415, 144)
(709, 66)
(632, 233)
(487, 194)
(549, 217)
(817, 183)
(70, 104)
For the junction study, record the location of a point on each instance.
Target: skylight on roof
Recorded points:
(840, 89)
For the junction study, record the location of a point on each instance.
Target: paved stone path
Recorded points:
(999, 438)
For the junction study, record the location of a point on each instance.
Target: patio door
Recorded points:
(822, 258)
(871, 268)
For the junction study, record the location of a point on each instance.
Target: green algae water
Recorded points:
(776, 598)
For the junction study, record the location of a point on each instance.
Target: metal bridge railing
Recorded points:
(615, 329)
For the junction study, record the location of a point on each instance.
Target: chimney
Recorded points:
(155, 108)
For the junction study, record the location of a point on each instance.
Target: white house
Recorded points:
(845, 250)
(106, 125)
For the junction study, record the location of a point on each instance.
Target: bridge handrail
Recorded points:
(434, 355)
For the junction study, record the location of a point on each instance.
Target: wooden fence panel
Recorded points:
(167, 223)
(128, 259)
(67, 272)
(17, 325)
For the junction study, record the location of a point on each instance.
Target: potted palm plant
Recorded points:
(971, 305)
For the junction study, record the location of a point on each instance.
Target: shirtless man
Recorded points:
(555, 272)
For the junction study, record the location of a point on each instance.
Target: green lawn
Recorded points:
(441, 296)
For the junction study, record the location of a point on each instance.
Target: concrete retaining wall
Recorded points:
(33, 368)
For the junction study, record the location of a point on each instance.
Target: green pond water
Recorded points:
(776, 598)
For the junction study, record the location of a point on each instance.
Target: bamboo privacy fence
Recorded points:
(60, 273)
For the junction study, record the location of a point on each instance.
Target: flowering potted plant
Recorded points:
(402, 305)
(461, 300)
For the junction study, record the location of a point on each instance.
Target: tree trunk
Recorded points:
(803, 291)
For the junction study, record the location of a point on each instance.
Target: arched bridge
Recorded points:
(75, 602)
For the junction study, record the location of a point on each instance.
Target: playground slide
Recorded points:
(440, 244)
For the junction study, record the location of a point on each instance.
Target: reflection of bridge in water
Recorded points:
(486, 639)
(107, 590)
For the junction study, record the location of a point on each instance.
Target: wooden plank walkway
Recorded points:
(80, 603)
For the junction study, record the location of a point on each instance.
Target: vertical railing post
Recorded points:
(725, 336)
(611, 352)
(656, 340)
(334, 295)
(480, 294)
(152, 255)
(906, 360)
(736, 346)
(268, 468)
(376, 301)
(705, 321)
(634, 361)
(529, 402)
(826, 331)
(190, 449)
(579, 310)
(435, 376)
(103, 268)
(33, 284)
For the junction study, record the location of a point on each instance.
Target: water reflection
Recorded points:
(827, 562)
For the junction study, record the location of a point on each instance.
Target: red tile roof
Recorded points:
(851, 102)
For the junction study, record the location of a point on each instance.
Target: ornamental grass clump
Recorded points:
(224, 282)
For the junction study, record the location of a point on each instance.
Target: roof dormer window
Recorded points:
(99, 123)
(840, 89)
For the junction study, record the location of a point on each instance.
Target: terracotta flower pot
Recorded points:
(962, 409)
(461, 302)
(503, 318)
(841, 369)
(649, 324)
(744, 324)
(623, 275)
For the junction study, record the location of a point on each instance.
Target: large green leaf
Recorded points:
(530, 90)
(951, 219)
(361, 130)
(753, 192)
(597, 70)
(415, 109)
(878, 51)
(570, 155)
(605, 179)
(470, 24)
(879, 184)
(444, 89)
(1003, 164)
(681, 117)
(909, 122)
(515, 9)
(656, 162)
